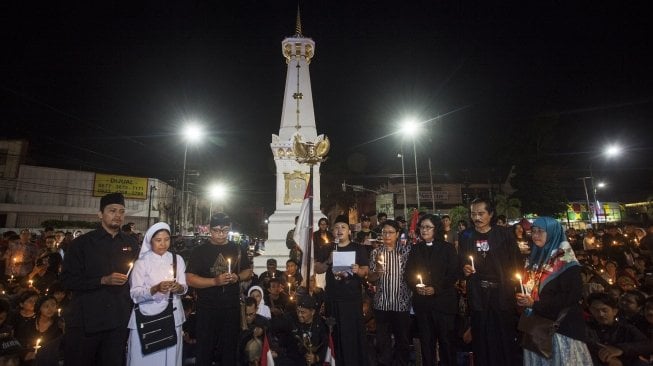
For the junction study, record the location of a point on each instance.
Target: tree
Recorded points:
(539, 189)
(507, 206)
(459, 213)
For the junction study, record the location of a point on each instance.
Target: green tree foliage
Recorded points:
(508, 206)
(459, 213)
(539, 189)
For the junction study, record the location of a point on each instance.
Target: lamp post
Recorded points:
(611, 151)
(191, 133)
(432, 190)
(403, 182)
(590, 213)
(411, 128)
(149, 205)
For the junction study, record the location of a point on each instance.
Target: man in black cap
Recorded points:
(303, 339)
(343, 296)
(95, 271)
(366, 234)
(215, 269)
(272, 272)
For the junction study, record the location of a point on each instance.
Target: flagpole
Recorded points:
(309, 241)
(310, 153)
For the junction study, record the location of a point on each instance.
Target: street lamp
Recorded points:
(191, 133)
(149, 206)
(411, 128)
(403, 181)
(217, 191)
(612, 151)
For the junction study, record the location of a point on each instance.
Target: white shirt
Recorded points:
(148, 272)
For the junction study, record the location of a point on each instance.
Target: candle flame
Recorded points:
(518, 276)
(325, 238)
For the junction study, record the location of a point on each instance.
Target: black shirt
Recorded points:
(349, 288)
(210, 260)
(94, 306)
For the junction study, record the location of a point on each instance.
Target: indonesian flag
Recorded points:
(330, 359)
(266, 353)
(304, 231)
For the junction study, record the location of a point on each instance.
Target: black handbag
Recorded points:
(157, 332)
(537, 332)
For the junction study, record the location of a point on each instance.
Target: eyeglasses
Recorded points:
(224, 230)
(537, 231)
(426, 228)
(388, 233)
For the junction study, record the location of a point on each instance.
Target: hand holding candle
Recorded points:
(523, 290)
(471, 258)
(37, 345)
(420, 286)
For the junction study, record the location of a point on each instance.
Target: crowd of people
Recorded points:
(396, 293)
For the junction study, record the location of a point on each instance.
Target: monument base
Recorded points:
(279, 224)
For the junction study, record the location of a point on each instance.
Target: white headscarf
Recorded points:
(147, 240)
(259, 289)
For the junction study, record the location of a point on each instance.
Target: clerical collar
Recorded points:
(429, 244)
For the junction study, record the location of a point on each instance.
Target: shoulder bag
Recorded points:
(157, 332)
(537, 332)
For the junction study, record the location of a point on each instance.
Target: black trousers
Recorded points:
(436, 329)
(396, 323)
(217, 336)
(494, 337)
(106, 348)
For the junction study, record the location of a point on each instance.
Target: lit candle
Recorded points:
(131, 265)
(289, 287)
(381, 261)
(228, 265)
(445, 237)
(273, 274)
(523, 290)
(59, 312)
(419, 277)
(172, 274)
(471, 258)
(31, 283)
(610, 281)
(37, 346)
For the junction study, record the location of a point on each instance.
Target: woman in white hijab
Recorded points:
(151, 283)
(261, 309)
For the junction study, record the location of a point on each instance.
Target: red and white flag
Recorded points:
(330, 359)
(266, 353)
(304, 231)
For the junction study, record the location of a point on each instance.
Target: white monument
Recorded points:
(297, 117)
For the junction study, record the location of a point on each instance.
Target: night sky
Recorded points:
(108, 88)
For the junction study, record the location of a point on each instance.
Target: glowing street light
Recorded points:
(217, 192)
(411, 128)
(192, 133)
(403, 181)
(612, 151)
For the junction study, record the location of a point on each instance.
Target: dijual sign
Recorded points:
(130, 187)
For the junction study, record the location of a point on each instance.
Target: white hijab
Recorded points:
(259, 289)
(147, 240)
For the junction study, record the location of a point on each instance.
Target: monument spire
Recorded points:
(298, 24)
(297, 122)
